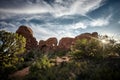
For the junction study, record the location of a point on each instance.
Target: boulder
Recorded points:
(49, 45)
(28, 34)
(65, 43)
(52, 42)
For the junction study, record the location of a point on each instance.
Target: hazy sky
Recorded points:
(61, 18)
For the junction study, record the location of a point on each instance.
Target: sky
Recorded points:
(61, 18)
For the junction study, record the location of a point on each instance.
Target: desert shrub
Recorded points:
(32, 55)
(87, 48)
(117, 48)
(95, 48)
(107, 69)
(106, 72)
(38, 66)
(61, 53)
(43, 70)
(101, 59)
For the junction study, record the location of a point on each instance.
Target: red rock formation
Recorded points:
(49, 45)
(87, 36)
(65, 43)
(41, 44)
(28, 34)
(95, 34)
(82, 36)
(52, 42)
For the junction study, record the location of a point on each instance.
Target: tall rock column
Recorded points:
(27, 32)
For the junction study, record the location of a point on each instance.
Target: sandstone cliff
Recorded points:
(51, 44)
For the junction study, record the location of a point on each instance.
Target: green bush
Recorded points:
(12, 46)
(43, 70)
(95, 48)
(87, 48)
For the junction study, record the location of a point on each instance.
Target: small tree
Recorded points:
(11, 45)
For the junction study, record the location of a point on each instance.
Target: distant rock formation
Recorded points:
(49, 45)
(65, 43)
(95, 34)
(87, 36)
(42, 44)
(52, 42)
(28, 34)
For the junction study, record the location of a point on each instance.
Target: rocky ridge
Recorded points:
(50, 45)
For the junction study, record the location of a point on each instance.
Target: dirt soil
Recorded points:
(21, 73)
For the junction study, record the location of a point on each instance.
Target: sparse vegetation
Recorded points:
(93, 59)
(90, 60)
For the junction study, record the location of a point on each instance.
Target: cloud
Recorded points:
(118, 22)
(43, 33)
(4, 24)
(78, 25)
(57, 8)
(84, 6)
(71, 7)
(54, 27)
(51, 20)
(101, 22)
(7, 26)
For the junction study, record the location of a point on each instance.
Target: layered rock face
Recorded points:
(28, 34)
